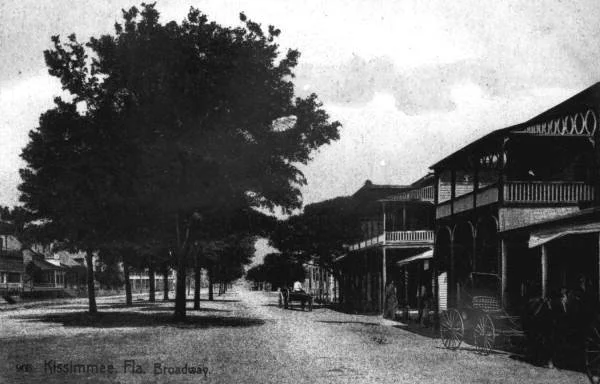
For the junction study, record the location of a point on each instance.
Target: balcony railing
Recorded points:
(367, 243)
(424, 194)
(548, 192)
(408, 238)
(521, 192)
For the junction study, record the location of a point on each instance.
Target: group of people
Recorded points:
(424, 303)
(556, 323)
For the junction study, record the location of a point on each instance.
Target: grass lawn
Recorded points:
(139, 344)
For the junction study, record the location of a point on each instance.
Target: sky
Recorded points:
(410, 80)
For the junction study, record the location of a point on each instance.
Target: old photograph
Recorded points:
(274, 191)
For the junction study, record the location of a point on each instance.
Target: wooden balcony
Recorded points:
(377, 240)
(548, 192)
(409, 237)
(520, 192)
(398, 239)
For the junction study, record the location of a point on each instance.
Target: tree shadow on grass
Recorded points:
(208, 301)
(139, 304)
(346, 322)
(172, 309)
(136, 319)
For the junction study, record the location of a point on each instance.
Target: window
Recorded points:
(14, 277)
(444, 186)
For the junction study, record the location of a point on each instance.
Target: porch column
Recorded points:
(369, 288)
(451, 294)
(384, 220)
(544, 271)
(406, 276)
(504, 267)
(383, 279)
(474, 245)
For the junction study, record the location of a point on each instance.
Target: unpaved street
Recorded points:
(242, 337)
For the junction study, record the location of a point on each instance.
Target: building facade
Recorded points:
(492, 193)
(389, 268)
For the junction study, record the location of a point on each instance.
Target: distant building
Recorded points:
(12, 268)
(397, 226)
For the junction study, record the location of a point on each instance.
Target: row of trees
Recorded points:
(171, 139)
(317, 236)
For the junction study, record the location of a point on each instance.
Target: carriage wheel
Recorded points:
(484, 334)
(452, 329)
(592, 353)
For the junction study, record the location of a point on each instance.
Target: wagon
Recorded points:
(480, 316)
(287, 297)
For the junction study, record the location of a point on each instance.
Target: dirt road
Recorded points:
(242, 337)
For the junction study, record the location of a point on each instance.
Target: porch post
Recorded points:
(384, 220)
(504, 266)
(452, 293)
(383, 279)
(544, 271)
(474, 246)
(406, 273)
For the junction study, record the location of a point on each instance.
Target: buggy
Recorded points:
(479, 315)
(287, 296)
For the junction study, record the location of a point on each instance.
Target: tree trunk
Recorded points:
(90, 282)
(196, 283)
(166, 284)
(210, 283)
(151, 282)
(180, 294)
(128, 298)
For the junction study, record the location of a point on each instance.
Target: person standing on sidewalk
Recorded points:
(391, 301)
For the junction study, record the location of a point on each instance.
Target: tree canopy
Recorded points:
(278, 269)
(169, 126)
(321, 232)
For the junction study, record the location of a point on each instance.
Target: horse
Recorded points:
(556, 327)
(539, 324)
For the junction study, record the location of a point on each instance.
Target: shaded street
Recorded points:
(241, 337)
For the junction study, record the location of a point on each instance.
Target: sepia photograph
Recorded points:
(274, 191)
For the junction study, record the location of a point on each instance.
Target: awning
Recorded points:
(421, 256)
(543, 236)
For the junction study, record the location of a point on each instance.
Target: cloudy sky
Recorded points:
(411, 80)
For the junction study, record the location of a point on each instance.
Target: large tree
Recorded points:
(172, 120)
(278, 269)
(321, 232)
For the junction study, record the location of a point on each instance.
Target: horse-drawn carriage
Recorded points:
(480, 316)
(569, 324)
(288, 296)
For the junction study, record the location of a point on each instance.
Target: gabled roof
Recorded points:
(46, 266)
(489, 139)
(589, 98)
(413, 192)
(376, 191)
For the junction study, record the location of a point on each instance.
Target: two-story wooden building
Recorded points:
(397, 227)
(491, 194)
